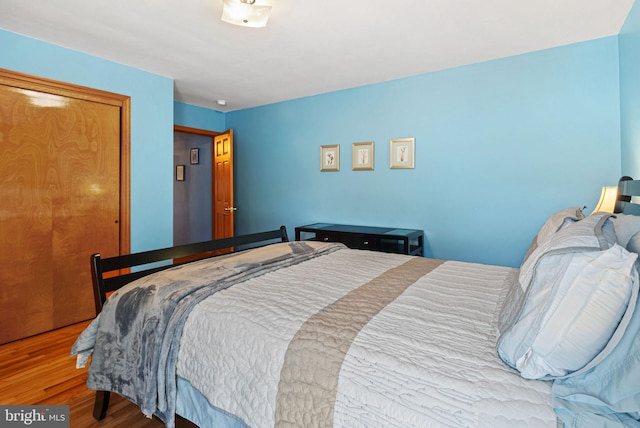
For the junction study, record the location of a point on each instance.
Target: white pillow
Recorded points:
(594, 231)
(553, 224)
(577, 297)
(558, 221)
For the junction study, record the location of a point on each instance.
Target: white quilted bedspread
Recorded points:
(427, 360)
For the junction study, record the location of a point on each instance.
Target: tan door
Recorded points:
(60, 190)
(223, 208)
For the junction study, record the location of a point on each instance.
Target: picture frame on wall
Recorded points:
(362, 156)
(330, 158)
(402, 153)
(195, 156)
(179, 172)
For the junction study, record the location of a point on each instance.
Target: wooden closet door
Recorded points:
(60, 193)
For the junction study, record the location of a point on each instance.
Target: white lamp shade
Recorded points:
(608, 199)
(245, 14)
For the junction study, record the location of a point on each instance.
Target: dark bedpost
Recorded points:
(99, 294)
(100, 405)
(283, 229)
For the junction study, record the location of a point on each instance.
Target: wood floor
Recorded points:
(38, 370)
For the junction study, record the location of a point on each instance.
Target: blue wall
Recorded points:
(630, 92)
(151, 124)
(500, 146)
(198, 117)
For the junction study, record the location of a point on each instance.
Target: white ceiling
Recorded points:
(309, 47)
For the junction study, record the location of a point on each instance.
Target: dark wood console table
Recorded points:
(387, 239)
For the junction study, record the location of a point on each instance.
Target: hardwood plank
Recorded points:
(38, 370)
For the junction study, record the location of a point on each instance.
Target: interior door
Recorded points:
(223, 208)
(60, 178)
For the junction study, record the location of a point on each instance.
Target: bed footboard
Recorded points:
(161, 259)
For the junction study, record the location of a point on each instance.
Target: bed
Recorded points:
(314, 334)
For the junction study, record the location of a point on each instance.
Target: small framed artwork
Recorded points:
(362, 156)
(330, 158)
(402, 153)
(179, 172)
(195, 156)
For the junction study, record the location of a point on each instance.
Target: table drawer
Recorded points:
(351, 241)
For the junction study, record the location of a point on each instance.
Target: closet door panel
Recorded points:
(85, 211)
(59, 180)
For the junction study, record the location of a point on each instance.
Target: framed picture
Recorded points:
(195, 156)
(330, 158)
(179, 172)
(402, 153)
(362, 156)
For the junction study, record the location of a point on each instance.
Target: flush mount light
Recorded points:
(245, 13)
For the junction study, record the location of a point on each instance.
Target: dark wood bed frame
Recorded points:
(169, 257)
(627, 187)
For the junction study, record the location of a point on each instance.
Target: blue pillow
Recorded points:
(609, 394)
(626, 225)
(634, 243)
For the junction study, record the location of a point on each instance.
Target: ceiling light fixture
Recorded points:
(245, 13)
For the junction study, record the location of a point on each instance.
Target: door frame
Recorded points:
(211, 135)
(70, 90)
(196, 131)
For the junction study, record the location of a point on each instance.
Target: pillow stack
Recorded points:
(556, 222)
(577, 292)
